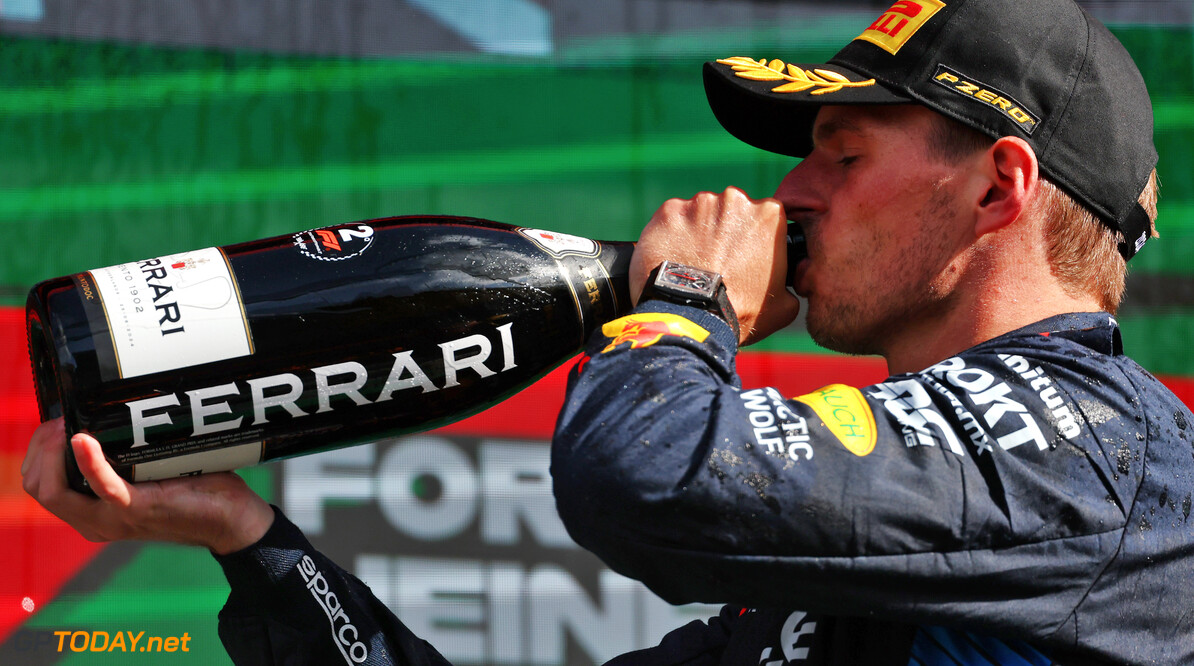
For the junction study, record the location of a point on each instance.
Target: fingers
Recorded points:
(728, 233)
(48, 432)
(45, 479)
(104, 481)
(31, 466)
(218, 511)
(743, 239)
(780, 306)
(44, 460)
(777, 313)
(44, 472)
(729, 228)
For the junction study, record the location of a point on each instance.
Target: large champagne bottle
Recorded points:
(225, 357)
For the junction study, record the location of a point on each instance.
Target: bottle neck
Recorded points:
(615, 257)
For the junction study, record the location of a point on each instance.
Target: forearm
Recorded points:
(290, 602)
(749, 497)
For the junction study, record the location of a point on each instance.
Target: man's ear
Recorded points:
(1010, 176)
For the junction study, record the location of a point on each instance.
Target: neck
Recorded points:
(979, 310)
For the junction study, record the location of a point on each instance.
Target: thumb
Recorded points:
(104, 481)
(778, 311)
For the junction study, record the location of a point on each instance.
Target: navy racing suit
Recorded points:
(1024, 502)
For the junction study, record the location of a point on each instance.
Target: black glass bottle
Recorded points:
(225, 357)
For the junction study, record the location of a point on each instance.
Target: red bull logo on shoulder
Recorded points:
(644, 330)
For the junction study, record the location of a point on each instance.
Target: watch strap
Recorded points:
(695, 287)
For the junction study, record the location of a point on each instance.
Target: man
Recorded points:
(1010, 493)
(1017, 492)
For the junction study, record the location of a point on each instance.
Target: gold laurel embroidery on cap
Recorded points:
(799, 79)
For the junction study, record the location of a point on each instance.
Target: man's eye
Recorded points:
(847, 160)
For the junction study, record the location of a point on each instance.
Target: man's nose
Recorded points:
(787, 184)
(796, 191)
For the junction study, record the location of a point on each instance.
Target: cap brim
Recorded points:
(773, 105)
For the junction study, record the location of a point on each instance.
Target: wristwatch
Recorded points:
(696, 287)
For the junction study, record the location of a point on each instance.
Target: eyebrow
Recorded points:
(824, 131)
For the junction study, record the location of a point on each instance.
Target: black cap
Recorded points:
(1042, 70)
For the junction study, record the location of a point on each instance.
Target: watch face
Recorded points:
(689, 281)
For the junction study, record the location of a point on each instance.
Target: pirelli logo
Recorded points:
(963, 85)
(896, 26)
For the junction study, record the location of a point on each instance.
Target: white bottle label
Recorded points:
(203, 462)
(173, 311)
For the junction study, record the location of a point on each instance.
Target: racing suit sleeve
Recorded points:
(291, 605)
(694, 644)
(971, 492)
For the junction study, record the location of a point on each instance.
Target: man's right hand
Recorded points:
(217, 511)
(729, 233)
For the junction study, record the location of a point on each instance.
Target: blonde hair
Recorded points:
(1083, 252)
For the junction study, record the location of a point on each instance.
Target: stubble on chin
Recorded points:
(842, 329)
(865, 323)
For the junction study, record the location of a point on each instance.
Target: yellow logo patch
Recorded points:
(644, 330)
(846, 414)
(897, 25)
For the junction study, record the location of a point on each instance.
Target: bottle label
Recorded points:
(336, 243)
(202, 462)
(558, 245)
(173, 311)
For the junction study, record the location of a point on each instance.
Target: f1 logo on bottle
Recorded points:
(335, 243)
